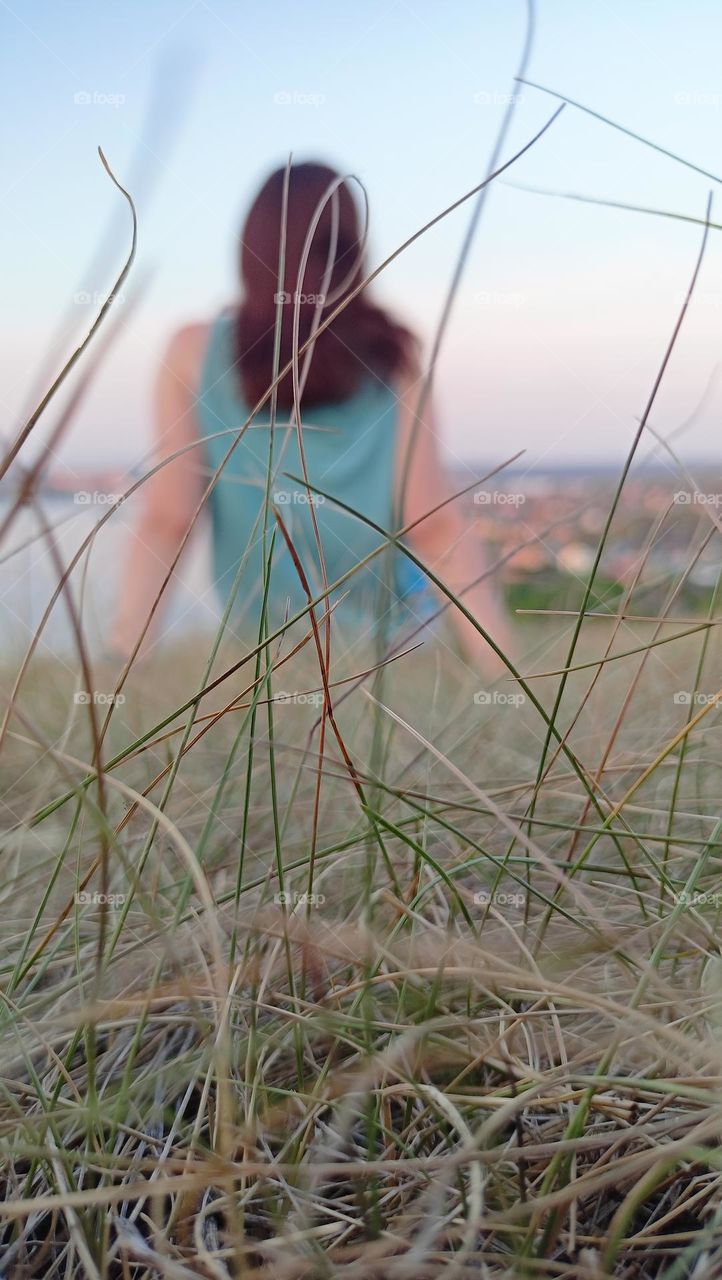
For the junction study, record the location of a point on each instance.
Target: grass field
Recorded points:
(435, 1015)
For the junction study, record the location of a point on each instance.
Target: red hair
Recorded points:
(362, 339)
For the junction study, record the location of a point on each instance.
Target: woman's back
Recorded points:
(350, 450)
(303, 242)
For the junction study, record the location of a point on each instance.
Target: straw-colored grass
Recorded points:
(464, 1043)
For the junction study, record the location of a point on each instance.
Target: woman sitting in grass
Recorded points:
(330, 457)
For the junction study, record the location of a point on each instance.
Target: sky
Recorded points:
(565, 308)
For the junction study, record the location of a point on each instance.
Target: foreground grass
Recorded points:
(429, 1025)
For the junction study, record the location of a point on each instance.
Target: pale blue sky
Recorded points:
(565, 308)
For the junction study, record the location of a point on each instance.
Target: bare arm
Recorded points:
(170, 497)
(446, 541)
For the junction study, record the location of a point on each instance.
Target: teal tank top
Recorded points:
(350, 453)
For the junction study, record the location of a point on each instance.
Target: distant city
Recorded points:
(545, 528)
(542, 529)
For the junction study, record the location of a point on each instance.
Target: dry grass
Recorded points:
(392, 1078)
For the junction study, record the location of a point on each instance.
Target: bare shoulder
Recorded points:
(184, 352)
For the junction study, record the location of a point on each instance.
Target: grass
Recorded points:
(464, 1038)
(315, 964)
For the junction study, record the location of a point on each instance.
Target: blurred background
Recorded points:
(564, 310)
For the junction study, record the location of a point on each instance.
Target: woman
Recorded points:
(358, 387)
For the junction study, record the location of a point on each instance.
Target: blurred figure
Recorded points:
(358, 390)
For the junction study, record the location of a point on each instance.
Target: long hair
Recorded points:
(363, 339)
